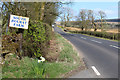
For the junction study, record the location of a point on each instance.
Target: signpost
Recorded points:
(19, 22)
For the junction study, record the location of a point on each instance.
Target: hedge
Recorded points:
(113, 36)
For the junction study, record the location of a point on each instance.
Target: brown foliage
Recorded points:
(11, 43)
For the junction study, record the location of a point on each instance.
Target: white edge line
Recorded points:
(96, 71)
(83, 38)
(114, 46)
(96, 41)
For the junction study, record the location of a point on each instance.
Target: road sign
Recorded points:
(19, 22)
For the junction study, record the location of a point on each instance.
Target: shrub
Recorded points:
(36, 39)
(99, 34)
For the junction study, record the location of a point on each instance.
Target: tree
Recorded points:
(67, 15)
(41, 16)
(82, 18)
(102, 16)
(51, 12)
(89, 15)
(42, 10)
(92, 19)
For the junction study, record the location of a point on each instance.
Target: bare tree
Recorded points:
(82, 17)
(89, 15)
(92, 17)
(102, 16)
(67, 15)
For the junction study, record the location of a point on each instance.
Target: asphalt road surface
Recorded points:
(100, 56)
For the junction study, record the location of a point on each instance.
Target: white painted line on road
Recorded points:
(96, 41)
(115, 46)
(96, 71)
(83, 38)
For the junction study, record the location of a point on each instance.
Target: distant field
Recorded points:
(99, 30)
(113, 31)
(73, 29)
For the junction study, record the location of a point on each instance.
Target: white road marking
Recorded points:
(95, 70)
(115, 46)
(83, 38)
(96, 41)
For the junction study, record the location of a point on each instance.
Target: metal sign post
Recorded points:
(21, 23)
(21, 33)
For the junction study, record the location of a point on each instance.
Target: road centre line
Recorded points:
(95, 70)
(115, 46)
(96, 41)
(83, 38)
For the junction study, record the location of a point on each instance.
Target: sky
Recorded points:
(91, 0)
(110, 8)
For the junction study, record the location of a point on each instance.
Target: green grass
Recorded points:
(65, 60)
(101, 38)
(25, 68)
(96, 37)
(30, 68)
(93, 36)
(67, 51)
(60, 27)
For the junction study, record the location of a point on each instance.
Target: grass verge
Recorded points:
(67, 61)
(25, 68)
(94, 36)
(101, 38)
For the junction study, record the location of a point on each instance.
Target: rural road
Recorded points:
(100, 56)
